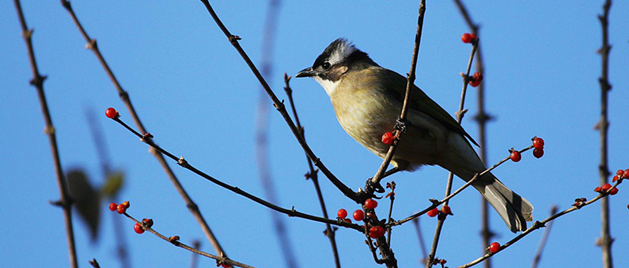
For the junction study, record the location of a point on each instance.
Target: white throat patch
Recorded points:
(328, 85)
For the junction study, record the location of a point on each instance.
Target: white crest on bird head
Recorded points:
(339, 50)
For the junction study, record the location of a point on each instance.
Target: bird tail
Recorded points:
(512, 208)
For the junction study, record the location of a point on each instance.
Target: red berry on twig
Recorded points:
(606, 187)
(111, 113)
(446, 210)
(113, 206)
(626, 175)
(613, 191)
(138, 228)
(475, 79)
(468, 38)
(538, 143)
(376, 232)
(538, 152)
(515, 156)
(387, 138)
(342, 213)
(433, 212)
(359, 215)
(121, 209)
(371, 204)
(494, 247)
(147, 222)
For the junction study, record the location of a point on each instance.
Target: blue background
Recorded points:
(199, 99)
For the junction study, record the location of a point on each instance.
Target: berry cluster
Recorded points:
(120, 208)
(538, 151)
(445, 210)
(366, 214)
(468, 38)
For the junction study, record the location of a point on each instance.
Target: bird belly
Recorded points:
(366, 116)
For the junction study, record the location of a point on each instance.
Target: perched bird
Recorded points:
(368, 99)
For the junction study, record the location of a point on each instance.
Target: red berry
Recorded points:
(515, 156)
(475, 79)
(342, 213)
(138, 228)
(387, 138)
(615, 178)
(347, 220)
(538, 143)
(371, 204)
(626, 175)
(147, 222)
(538, 152)
(597, 189)
(606, 187)
(126, 204)
(613, 191)
(494, 247)
(468, 38)
(111, 113)
(121, 209)
(113, 206)
(376, 232)
(225, 265)
(359, 215)
(433, 212)
(446, 210)
(620, 172)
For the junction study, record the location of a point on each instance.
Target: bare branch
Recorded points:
(38, 82)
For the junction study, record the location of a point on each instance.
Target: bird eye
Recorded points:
(326, 65)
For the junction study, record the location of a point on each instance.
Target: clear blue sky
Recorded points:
(199, 99)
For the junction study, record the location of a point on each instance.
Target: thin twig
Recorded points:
(542, 242)
(279, 105)
(147, 138)
(410, 80)
(420, 238)
(459, 117)
(481, 118)
(539, 224)
(65, 201)
(124, 96)
(262, 132)
(605, 241)
(122, 250)
(222, 259)
(313, 175)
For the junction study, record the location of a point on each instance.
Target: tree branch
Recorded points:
(38, 82)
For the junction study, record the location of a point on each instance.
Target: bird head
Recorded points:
(339, 58)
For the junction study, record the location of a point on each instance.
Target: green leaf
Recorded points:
(113, 185)
(86, 199)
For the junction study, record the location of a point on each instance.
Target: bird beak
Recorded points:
(308, 72)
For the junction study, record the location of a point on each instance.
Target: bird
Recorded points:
(367, 101)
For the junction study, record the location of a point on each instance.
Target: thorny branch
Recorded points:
(38, 82)
(606, 240)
